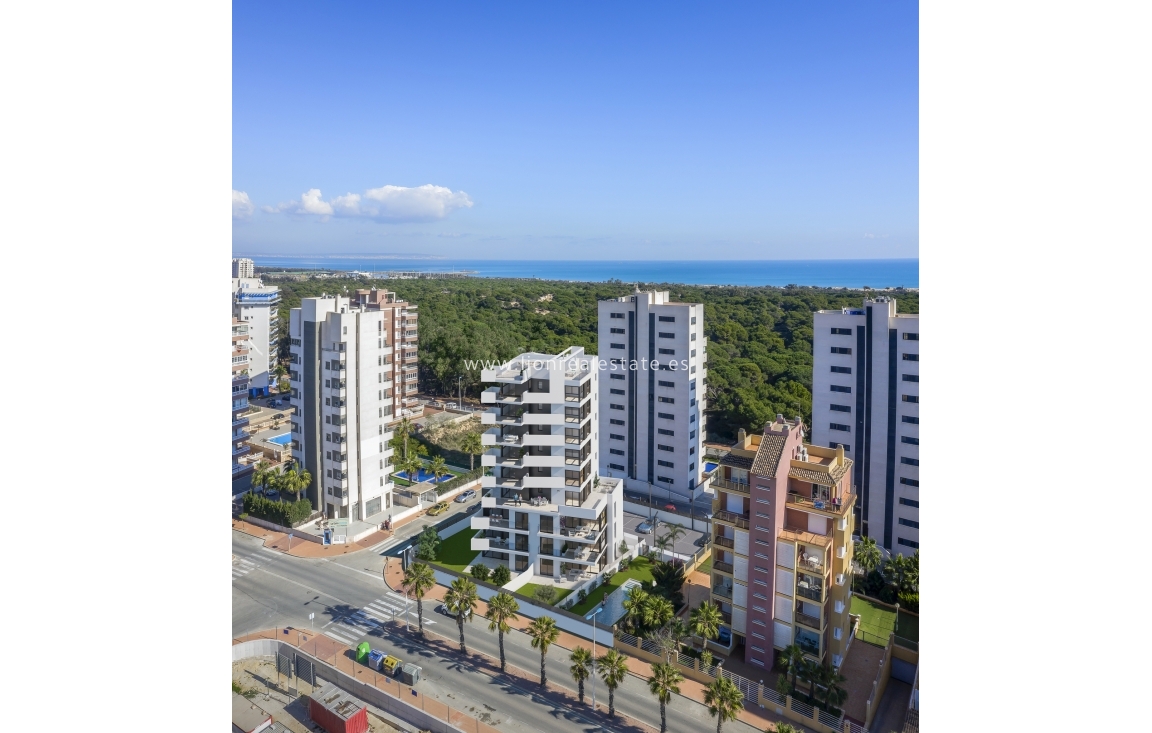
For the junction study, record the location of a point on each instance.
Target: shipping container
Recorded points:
(337, 711)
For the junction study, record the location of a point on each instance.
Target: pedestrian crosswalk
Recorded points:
(242, 566)
(353, 627)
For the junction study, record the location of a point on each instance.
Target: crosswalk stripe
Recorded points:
(238, 573)
(246, 562)
(339, 637)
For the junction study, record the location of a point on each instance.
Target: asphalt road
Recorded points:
(350, 601)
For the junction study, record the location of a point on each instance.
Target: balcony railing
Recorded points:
(834, 505)
(719, 483)
(724, 591)
(725, 541)
(740, 520)
(809, 646)
(722, 567)
(813, 594)
(810, 621)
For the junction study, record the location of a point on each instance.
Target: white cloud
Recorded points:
(387, 203)
(242, 207)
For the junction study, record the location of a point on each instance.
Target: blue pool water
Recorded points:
(709, 467)
(284, 439)
(614, 604)
(423, 476)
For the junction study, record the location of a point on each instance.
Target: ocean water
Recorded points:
(820, 273)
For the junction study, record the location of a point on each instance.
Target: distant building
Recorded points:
(545, 507)
(259, 307)
(341, 378)
(243, 267)
(652, 392)
(240, 354)
(400, 318)
(866, 397)
(782, 545)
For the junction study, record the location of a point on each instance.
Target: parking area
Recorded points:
(686, 545)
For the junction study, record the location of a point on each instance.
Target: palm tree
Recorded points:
(473, 446)
(664, 681)
(830, 680)
(581, 666)
(613, 670)
(664, 639)
(502, 608)
(724, 700)
(810, 672)
(461, 600)
(897, 573)
(544, 633)
(704, 621)
(786, 728)
(657, 611)
(438, 467)
(792, 658)
(677, 630)
(867, 555)
(411, 466)
(675, 532)
(404, 429)
(418, 580)
(263, 475)
(634, 608)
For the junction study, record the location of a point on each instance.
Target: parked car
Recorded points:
(644, 528)
(670, 507)
(272, 493)
(701, 540)
(444, 610)
(464, 496)
(451, 406)
(278, 416)
(439, 508)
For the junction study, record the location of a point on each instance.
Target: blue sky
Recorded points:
(769, 130)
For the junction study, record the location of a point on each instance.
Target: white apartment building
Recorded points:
(400, 317)
(866, 397)
(546, 508)
(342, 390)
(240, 354)
(651, 417)
(258, 306)
(243, 267)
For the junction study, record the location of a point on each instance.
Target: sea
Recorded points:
(903, 273)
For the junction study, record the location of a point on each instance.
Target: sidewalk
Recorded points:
(281, 541)
(762, 720)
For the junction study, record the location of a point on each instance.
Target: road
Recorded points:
(349, 599)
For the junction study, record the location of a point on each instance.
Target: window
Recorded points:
(909, 441)
(668, 400)
(663, 383)
(693, 320)
(910, 502)
(841, 388)
(691, 466)
(841, 350)
(692, 337)
(616, 346)
(662, 431)
(665, 416)
(911, 337)
(616, 407)
(909, 419)
(667, 335)
(666, 367)
(616, 391)
(910, 398)
(692, 451)
(911, 377)
(667, 319)
(907, 543)
(692, 435)
(909, 461)
(615, 436)
(616, 330)
(667, 448)
(834, 444)
(616, 315)
(665, 464)
(616, 376)
(616, 451)
(841, 370)
(840, 408)
(692, 418)
(620, 362)
(692, 370)
(664, 480)
(841, 332)
(671, 352)
(911, 357)
(614, 421)
(909, 482)
(838, 426)
(692, 385)
(615, 466)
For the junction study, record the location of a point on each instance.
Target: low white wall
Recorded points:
(521, 580)
(460, 526)
(297, 533)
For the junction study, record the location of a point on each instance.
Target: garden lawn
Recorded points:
(529, 589)
(640, 569)
(876, 619)
(456, 553)
(706, 566)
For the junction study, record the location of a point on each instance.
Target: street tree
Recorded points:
(502, 609)
(461, 600)
(544, 633)
(418, 580)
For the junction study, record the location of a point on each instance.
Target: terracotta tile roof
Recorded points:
(819, 477)
(768, 456)
(736, 461)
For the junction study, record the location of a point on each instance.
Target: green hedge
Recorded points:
(459, 480)
(286, 513)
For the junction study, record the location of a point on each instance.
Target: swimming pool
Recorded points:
(284, 439)
(424, 475)
(614, 604)
(709, 467)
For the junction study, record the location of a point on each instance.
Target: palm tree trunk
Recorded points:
(719, 722)
(611, 702)
(543, 676)
(663, 718)
(460, 623)
(420, 614)
(581, 687)
(503, 669)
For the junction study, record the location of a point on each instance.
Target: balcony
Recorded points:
(719, 483)
(801, 534)
(740, 520)
(580, 535)
(723, 541)
(723, 590)
(808, 590)
(496, 436)
(810, 621)
(722, 567)
(835, 505)
(497, 396)
(810, 645)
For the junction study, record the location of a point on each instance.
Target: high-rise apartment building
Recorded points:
(243, 267)
(652, 392)
(545, 507)
(400, 317)
(240, 354)
(782, 545)
(341, 377)
(866, 397)
(258, 306)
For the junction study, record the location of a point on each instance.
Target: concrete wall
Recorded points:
(698, 524)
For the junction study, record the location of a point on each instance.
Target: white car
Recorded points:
(451, 406)
(465, 496)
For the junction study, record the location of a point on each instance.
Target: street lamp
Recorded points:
(594, 614)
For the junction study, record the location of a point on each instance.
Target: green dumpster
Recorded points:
(362, 652)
